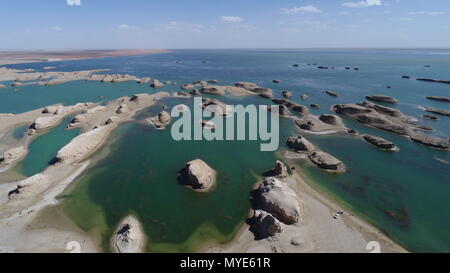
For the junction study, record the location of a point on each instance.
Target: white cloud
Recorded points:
(56, 28)
(302, 9)
(73, 2)
(231, 19)
(124, 26)
(362, 4)
(426, 12)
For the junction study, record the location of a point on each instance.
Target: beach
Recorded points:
(319, 232)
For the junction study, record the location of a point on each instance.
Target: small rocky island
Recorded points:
(198, 176)
(391, 120)
(437, 111)
(439, 98)
(160, 121)
(380, 142)
(129, 236)
(381, 98)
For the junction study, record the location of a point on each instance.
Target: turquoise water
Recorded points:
(43, 149)
(139, 176)
(405, 194)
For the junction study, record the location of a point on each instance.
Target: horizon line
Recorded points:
(230, 48)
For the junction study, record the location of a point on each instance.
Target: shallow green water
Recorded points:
(139, 176)
(44, 148)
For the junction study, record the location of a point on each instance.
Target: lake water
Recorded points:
(405, 194)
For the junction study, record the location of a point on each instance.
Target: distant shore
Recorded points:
(18, 57)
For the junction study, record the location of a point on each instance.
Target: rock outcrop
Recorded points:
(121, 109)
(432, 117)
(156, 84)
(170, 83)
(380, 118)
(197, 175)
(331, 119)
(299, 144)
(433, 80)
(215, 106)
(53, 109)
(391, 120)
(28, 187)
(183, 94)
(138, 97)
(129, 236)
(195, 92)
(144, 80)
(379, 142)
(13, 155)
(331, 93)
(264, 225)
(287, 94)
(261, 91)
(213, 90)
(160, 121)
(55, 115)
(324, 123)
(326, 161)
(82, 145)
(200, 83)
(430, 141)
(437, 111)
(444, 99)
(280, 170)
(42, 123)
(381, 98)
(2, 86)
(282, 110)
(293, 106)
(187, 87)
(278, 199)
(111, 120)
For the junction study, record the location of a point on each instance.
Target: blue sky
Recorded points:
(87, 24)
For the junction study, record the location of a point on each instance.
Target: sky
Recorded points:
(174, 24)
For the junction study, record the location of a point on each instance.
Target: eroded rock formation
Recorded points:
(197, 175)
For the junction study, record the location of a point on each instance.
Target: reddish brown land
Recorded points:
(12, 57)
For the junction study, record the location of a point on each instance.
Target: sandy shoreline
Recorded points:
(18, 57)
(318, 232)
(22, 201)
